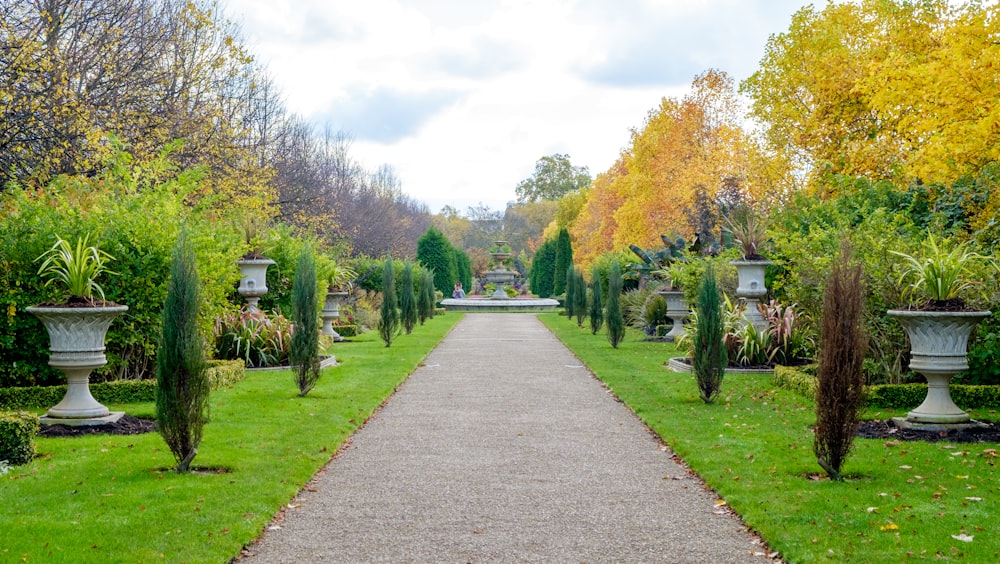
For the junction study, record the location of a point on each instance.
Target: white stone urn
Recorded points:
(677, 311)
(76, 346)
(939, 343)
(253, 279)
(331, 311)
(751, 289)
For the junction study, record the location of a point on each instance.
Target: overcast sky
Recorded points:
(461, 97)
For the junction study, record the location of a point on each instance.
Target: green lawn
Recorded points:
(901, 501)
(113, 499)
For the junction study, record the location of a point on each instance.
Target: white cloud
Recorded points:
(462, 98)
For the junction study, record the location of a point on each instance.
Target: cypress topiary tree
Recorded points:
(596, 308)
(580, 297)
(407, 301)
(563, 259)
(710, 357)
(424, 298)
(182, 386)
(435, 253)
(840, 380)
(464, 265)
(613, 311)
(304, 350)
(431, 294)
(388, 324)
(569, 276)
(543, 269)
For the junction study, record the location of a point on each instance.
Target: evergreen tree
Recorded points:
(388, 324)
(182, 387)
(563, 259)
(304, 350)
(613, 311)
(435, 253)
(431, 293)
(424, 305)
(407, 301)
(596, 308)
(569, 303)
(580, 297)
(543, 269)
(710, 358)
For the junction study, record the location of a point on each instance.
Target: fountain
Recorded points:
(499, 300)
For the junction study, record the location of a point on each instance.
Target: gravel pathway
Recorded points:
(504, 448)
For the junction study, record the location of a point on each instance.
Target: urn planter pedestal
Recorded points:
(677, 311)
(331, 312)
(751, 289)
(76, 345)
(253, 280)
(938, 350)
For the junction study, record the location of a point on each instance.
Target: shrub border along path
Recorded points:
(112, 498)
(900, 500)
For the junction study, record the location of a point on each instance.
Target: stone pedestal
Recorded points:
(751, 289)
(677, 311)
(253, 280)
(331, 312)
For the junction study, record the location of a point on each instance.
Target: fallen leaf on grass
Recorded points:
(962, 537)
(890, 527)
(974, 498)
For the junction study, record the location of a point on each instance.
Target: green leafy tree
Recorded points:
(407, 299)
(579, 297)
(388, 324)
(425, 303)
(554, 177)
(840, 380)
(435, 253)
(464, 267)
(564, 258)
(613, 318)
(710, 357)
(596, 308)
(569, 305)
(304, 351)
(182, 388)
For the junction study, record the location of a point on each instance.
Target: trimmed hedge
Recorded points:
(17, 436)
(221, 374)
(801, 379)
(891, 396)
(346, 330)
(225, 373)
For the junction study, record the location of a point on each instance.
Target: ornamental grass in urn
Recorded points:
(938, 323)
(77, 326)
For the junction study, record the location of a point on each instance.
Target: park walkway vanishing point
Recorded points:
(503, 448)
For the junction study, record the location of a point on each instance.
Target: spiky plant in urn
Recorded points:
(938, 325)
(339, 281)
(77, 327)
(253, 265)
(749, 231)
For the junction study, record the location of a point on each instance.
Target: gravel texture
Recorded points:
(502, 447)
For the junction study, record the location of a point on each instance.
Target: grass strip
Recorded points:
(900, 501)
(113, 498)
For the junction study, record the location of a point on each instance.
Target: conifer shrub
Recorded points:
(388, 324)
(563, 260)
(613, 318)
(407, 301)
(304, 351)
(425, 301)
(596, 307)
(182, 384)
(579, 297)
(710, 358)
(569, 275)
(840, 379)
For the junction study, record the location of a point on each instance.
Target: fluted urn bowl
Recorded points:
(939, 349)
(76, 346)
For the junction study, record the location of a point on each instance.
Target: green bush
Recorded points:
(17, 437)
(346, 330)
(225, 373)
(41, 397)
